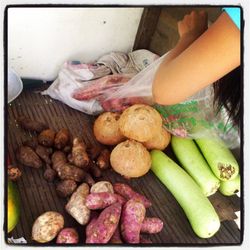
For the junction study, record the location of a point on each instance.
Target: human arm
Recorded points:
(211, 56)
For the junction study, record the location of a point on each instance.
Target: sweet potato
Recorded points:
(76, 206)
(65, 188)
(62, 138)
(133, 214)
(116, 237)
(102, 186)
(100, 200)
(105, 226)
(151, 225)
(103, 160)
(127, 192)
(47, 226)
(120, 199)
(67, 236)
(26, 156)
(31, 125)
(79, 154)
(89, 227)
(46, 137)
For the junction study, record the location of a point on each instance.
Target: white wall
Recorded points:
(40, 40)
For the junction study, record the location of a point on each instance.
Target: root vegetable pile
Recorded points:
(66, 161)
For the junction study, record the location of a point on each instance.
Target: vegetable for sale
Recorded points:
(76, 205)
(127, 192)
(44, 153)
(67, 236)
(151, 225)
(219, 158)
(13, 207)
(103, 160)
(106, 129)
(102, 186)
(79, 154)
(130, 159)
(46, 137)
(14, 173)
(159, 141)
(230, 187)
(62, 138)
(140, 122)
(47, 226)
(31, 125)
(49, 173)
(133, 214)
(26, 156)
(105, 225)
(116, 237)
(94, 169)
(65, 188)
(193, 162)
(198, 209)
(100, 200)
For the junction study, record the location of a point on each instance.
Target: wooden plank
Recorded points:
(146, 27)
(38, 196)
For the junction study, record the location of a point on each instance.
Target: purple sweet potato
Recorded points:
(151, 225)
(120, 199)
(133, 214)
(104, 227)
(127, 192)
(67, 236)
(116, 237)
(89, 227)
(100, 200)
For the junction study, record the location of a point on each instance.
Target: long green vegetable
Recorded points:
(198, 209)
(219, 157)
(193, 162)
(230, 187)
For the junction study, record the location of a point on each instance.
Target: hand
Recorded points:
(193, 24)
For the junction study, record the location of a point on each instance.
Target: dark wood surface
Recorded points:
(38, 196)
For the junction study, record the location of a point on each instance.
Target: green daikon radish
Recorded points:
(230, 187)
(194, 163)
(198, 209)
(219, 158)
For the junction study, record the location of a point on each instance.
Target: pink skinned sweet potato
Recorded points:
(151, 225)
(128, 193)
(100, 200)
(67, 236)
(116, 237)
(104, 227)
(133, 214)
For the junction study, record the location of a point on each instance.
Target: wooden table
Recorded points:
(38, 196)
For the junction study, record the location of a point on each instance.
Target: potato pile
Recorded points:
(138, 129)
(66, 162)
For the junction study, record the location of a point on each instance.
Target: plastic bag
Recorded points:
(194, 118)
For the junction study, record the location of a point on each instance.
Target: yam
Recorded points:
(67, 236)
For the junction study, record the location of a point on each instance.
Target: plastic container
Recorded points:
(15, 85)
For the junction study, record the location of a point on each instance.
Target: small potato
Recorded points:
(102, 186)
(47, 226)
(67, 236)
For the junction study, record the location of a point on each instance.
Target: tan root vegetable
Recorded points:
(102, 186)
(47, 226)
(62, 138)
(79, 155)
(46, 137)
(140, 122)
(106, 129)
(31, 125)
(159, 141)
(27, 156)
(44, 153)
(58, 159)
(76, 206)
(65, 188)
(103, 160)
(130, 159)
(49, 173)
